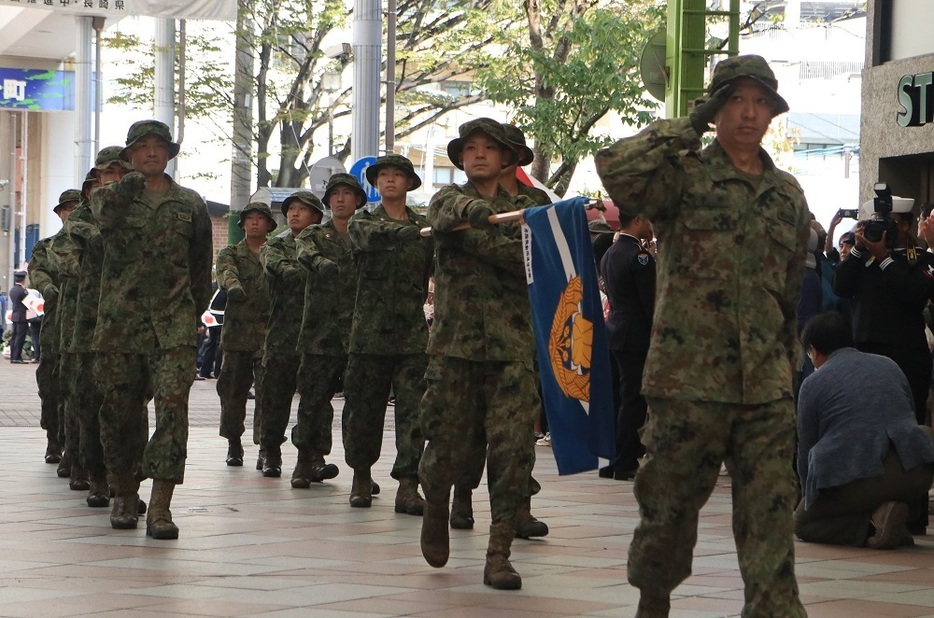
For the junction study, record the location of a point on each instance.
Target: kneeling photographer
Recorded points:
(886, 276)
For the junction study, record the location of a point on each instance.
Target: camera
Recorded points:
(844, 213)
(881, 221)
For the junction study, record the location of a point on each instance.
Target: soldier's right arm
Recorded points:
(370, 233)
(109, 203)
(41, 275)
(227, 273)
(642, 173)
(280, 263)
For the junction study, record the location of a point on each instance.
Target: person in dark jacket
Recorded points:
(18, 317)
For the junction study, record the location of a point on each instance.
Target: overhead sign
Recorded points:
(181, 9)
(37, 90)
(915, 95)
(358, 169)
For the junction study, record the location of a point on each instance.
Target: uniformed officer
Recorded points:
(389, 334)
(733, 233)
(628, 271)
(481, 393)
(157, 276)
(240, 274)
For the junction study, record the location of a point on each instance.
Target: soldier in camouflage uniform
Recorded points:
(324, 250)
(286, 280)
(733, 233)
(155, 283)
(389, 333)
(45, 275)
(527, 526)
(240, 273)
(481, 392)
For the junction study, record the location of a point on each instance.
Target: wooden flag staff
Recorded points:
(514, 215)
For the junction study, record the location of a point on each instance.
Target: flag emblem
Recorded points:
(571, 343)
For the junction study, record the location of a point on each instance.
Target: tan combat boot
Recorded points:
(462, 509)
(498, 572)
(435, 543)
(361, 490)
(407, 498)
(159, 520)
(126, 502)
(301, 475)
(526, 524)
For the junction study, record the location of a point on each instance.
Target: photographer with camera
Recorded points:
(885, 276)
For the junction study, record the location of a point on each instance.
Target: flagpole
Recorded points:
(513, 215)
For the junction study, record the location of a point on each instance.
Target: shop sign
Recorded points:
(916, 97)
(37, 90)
(181, 9)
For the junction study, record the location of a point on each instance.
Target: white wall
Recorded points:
(58, 130)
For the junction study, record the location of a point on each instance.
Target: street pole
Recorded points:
(165, 79)
(391, 76)
(367, 38)
(240, 166)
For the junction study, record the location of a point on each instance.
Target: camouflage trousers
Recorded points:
(64, 368)
(686, 442)
(280, 381)
(369, 380)
(51, 416)
(319, 377)
(84, 397)
(239, 372)
(472, 408)
(126, 381)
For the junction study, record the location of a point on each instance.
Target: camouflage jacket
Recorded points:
(730, 264)
(156, 274)
(537, 195)
(329, 297)
(64, 256)
(481, 296)
(89, 255)
(286, 280)
(392, 284)
(45, 276)
(245, 321)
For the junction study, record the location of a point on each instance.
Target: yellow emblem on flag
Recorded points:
(570, 343)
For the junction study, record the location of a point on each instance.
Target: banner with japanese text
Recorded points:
(180, 9)
(37, 90)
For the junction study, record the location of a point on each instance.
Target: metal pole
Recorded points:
(240, 165)
(164, 95)
(367, 36)
(98, 23)
(11, 255)
(391, 76)
(83, 106)
(24, 186)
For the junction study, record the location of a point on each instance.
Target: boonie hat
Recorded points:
(347, 180)
(142, 128)
(89, 180)
(515, 135)
(484, 125)
(751, 66)
(393, 160)
(599, 227)
(259, 207)
(71, 195)
(305, 197)
(110, 155)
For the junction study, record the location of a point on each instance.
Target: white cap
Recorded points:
(900, 205)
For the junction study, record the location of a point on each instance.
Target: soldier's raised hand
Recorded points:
(479, 213)
(704, 109)
(326, 268)
(131, 184)
(236, 294)
(408, 232)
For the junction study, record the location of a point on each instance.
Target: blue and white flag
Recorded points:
(570, 335)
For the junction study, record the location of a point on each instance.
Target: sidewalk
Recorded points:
(251, 546)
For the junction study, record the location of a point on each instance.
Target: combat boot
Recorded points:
(526, 524)
(462, 509)
(159, 520)
(78, 480)
(434, 540)
(234, 452)
(272, 462)
(53, 451)
(407, 498)
(64, 466)
(261, 458)
(321, 471)
(98, 496)
(124, 515)
(301, 475)
(361, 490)
(498, 572)
(653, 605)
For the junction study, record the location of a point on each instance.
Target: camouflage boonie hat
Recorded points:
(110, 155)
(485, 125)
(305, 197)
(348, 180)
(259, 207)
(753, 67)
(142, 128)
(599, 227)
(89, 180)
(71, 195)
(515, 135)
(393, 160)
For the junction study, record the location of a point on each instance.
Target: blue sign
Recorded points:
(358, 169)
(37, 90)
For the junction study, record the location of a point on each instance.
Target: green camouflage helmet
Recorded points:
(109, 155)
(753, 67)
(484, 125)
(259, 207)
(515, 135)
(142, 128)
(305, 197)
(348, 180)
(67, 197)
(393, 160)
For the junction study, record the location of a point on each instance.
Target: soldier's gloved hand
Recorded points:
(50, 293)
(327, 268)
(478, 214)
(703, 109)
(408, 232)
(236, 294)
(130, 185)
